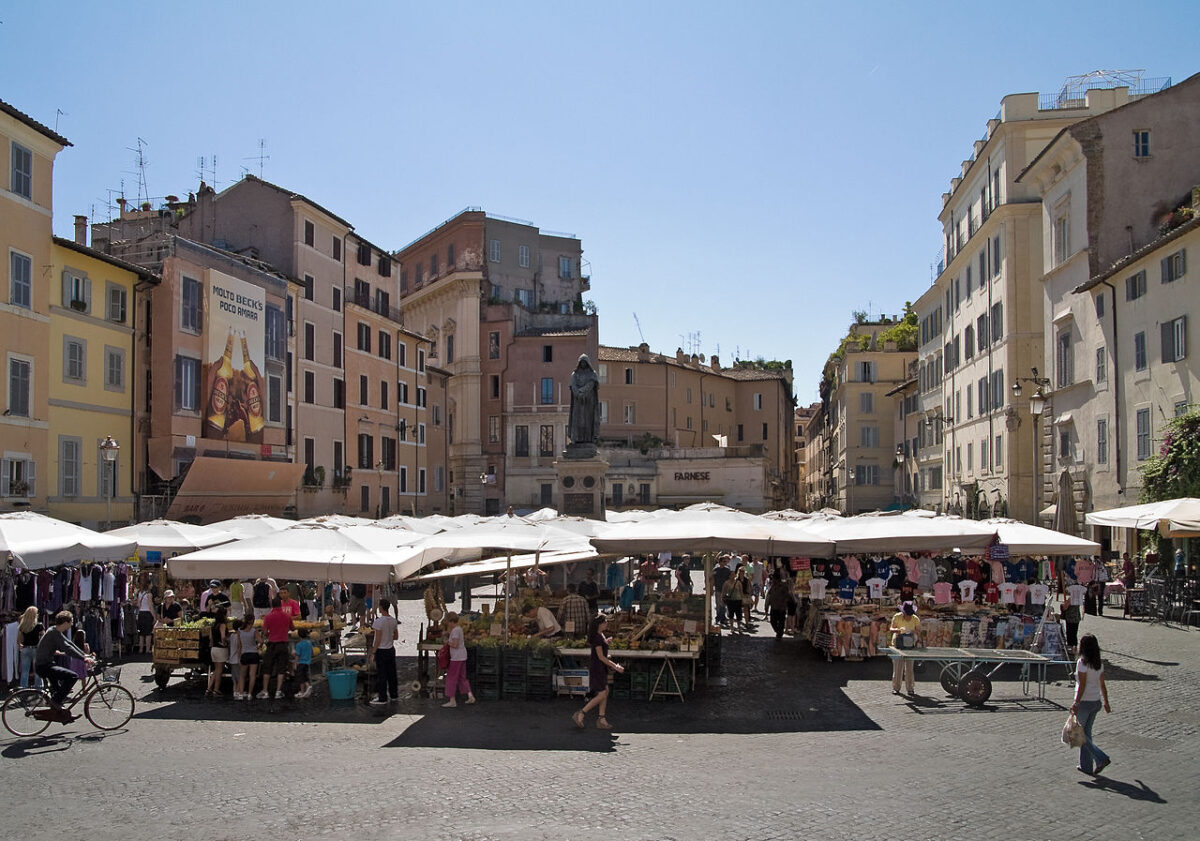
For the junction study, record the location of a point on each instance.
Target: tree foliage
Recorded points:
(1175, 471)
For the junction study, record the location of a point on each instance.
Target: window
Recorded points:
(422, 396)
(439, 479)
(998, 451)
(984, 464)
(1174, 339)
(1100, 305)
(337, 299)
(69, 466)
(1141, 143)
(20, 287)
(385, 346)
(603, 411)
(493, 429)
(310, 387)
(1102, 441)
(403, 480)
(1135, 286)
(17, 476)
(969, 342)
(387, 452)
(866, 402)
(190, 316)
(364, 390)
(19, 383)
(187, 384)
(309, 283)
(629, 413)
(274, 399)
(1174, 266)
(866, 474)
(21, 182)
(421, 360)
(1139, 351)
(338, 361)
(494, 345)
(628, 376)
(310, 233)
(996, 255)
(981, 330)
(433, 265)
(364, 337)
(1101, 365)
(1064, 360)
(523, 256)
(114, 369)
(1064, 442)
(114, 302)
(524, 297)
(866, 374)
(421, 480)
(546, 440)
(970, 402)
(997, 325)
(687, 397)
(564, 267)
(310, 341)
(1061, 232)
(981, 391)
(970, 457)
(337, 248)
(383, 395)
(740, 432)
(521, 441)
(1143, 434)
(494, 251)
(74, 360)
(547, 353)
(276, 329)
(868, 436)
(969, 283)
(547, 390)
(997, 401)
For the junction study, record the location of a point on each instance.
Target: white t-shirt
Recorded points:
(546, 620)
(1038, 593)
(459, 653)
(1077, 592)
(1008, 592)
(85, 587)
(385, 631)
(757, 573)
(875, 587)
(1091, 689)
(816, 588)
(966, 590)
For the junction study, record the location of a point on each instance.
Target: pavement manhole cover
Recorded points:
(784, 715)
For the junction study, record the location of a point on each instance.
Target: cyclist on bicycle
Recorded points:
(55, 641)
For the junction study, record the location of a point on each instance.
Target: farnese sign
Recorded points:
(235, 346)
(691, 476)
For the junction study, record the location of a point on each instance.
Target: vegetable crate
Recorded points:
(487, 688)
(512, 687)
(539, 687)
(486, 659)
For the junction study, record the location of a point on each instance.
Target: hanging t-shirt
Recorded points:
(941, 592)
(1027, 570)
(1085, 571)
(1022, 593)
(1038, 593)
(926, 574)
(1069, 568)
(912, 570)
(875, 587)
(1007, 592)
(966, 590)
(853, 569)
(816, 589)
(85, 585)
(882, 568)
(975, 570)
(1076, 593)
(110, 581)
(846, 589)
(991, 593)
(997, 572)
(836, 570)
(897, 575)
(944, 568)
(1011, 572)
(819, 570)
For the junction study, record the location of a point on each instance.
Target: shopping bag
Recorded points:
(443, 657)
(1072, 733)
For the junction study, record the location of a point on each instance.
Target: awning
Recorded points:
(493, 565)
(218, 488)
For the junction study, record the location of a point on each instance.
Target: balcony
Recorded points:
(363, 299)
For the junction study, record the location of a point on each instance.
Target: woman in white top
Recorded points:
(145, 620)
(1090, 691)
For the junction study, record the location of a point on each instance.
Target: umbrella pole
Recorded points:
(507, 592)
(707, 609)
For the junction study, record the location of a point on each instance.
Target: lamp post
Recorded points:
(108, 454)
(903, 474)
(1037, 405)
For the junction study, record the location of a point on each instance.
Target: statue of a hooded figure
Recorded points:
(584, 425)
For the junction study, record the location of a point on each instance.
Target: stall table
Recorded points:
(667, 668)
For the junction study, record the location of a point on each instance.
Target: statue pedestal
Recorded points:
(579, 488)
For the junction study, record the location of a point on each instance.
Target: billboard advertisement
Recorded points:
(234, 357)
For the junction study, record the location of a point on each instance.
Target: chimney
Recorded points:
(716, 363)
(81, 227)
(121, 206)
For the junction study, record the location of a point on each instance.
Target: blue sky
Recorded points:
(751, 172)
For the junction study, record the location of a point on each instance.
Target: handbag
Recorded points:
(1072, 732)
(443, 656)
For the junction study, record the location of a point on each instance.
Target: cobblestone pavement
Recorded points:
(790, 746)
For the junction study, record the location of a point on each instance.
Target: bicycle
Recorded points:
(107, 704)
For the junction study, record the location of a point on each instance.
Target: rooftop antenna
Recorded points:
(206, 170)
(261, 157)
(58, 112)
(641, 335)
(143, 188)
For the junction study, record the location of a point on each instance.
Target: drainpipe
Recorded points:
(1116, 393)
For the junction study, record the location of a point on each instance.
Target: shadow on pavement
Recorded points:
(1134, 792)
(22, 748)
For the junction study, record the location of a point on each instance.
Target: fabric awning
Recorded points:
(218, 488)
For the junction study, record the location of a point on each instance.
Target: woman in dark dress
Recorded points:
(598, 674)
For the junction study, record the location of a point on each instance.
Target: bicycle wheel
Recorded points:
(109, 707)
(19, 712)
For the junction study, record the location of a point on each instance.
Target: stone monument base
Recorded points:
(579, 489)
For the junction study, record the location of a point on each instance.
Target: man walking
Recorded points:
(719, 576)
(276, 626)
(383, 651)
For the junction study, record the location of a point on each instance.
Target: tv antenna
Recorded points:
(142, 163)
(261, 157)
(206, 170)
(58, 112)
(641, 335)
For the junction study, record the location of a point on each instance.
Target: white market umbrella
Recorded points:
(1171, 517)
(898, 533)
(253, 525)
(1024, 539)
(712, 529)
(169, 536)
(542, 514)
(38, 541)
(633, 515)
(421, 525)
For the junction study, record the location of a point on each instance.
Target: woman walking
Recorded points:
(1091, 690)
(219, 652)
(732, 594)
(598, 675)
(30, 632)
(456, 675)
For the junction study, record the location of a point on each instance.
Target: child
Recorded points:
(235, 657)
(304, 655)
(76, 665)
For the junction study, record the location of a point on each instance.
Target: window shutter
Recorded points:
(31, 477)
(66, 289)
(1183, 338)
(5, 473)
(1168, 341)
(87, 294)
(1165, 264)
(178, 383)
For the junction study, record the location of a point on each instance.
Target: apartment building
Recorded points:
(906, 425)
(804, 416)
(981, 320)
(26, 194)
(91, 384)
(1120, 197)
(501, 303)
(859, 381)
(681, 429)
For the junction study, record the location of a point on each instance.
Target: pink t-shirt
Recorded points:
(941, 592)
(276, 625)
(1085, 571)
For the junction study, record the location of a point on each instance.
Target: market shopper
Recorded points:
(590, 590)
(260, 597)
(904, 622)
(574, 614)
(290, 606)
(276, 626)
(60, 678)
(1071, 616)
(777, 604)
(456, 675)
(213, 598)
(383, 650)
(30, 631)
(304, 655)
(720, 575)
(547, 625)
(1128, 572)
(732, 594)
(1091, 692)
(598, 675)
(145, 619)
(248, 639)
(235, 657)
(219, 651)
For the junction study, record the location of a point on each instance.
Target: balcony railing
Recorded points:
(363, 299)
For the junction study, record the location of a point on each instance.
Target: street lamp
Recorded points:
(1037, 405)
(108, 453)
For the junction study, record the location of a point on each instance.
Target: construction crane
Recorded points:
(639, 327)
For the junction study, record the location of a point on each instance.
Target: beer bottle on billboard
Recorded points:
(222, 380)
(252, 383)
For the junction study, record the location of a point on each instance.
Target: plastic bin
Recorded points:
(343, 683)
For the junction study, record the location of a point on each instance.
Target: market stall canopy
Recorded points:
(168, 536)
(635, 515)
(712, 529)
(253, 525)
(494, 565)
(501, 535)
(307, 552)
(1172, 517)
(220, 488)
(896, 532)
(38, 541)
(422, 525)
(1024, 539)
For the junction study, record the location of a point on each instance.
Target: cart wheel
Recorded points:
(161, 676)
(949, 678)
(975, 688)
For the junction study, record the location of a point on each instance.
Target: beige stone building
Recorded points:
(680, 429)
(804, 417)
(981, 320)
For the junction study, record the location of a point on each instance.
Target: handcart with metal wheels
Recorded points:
(965, 673)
